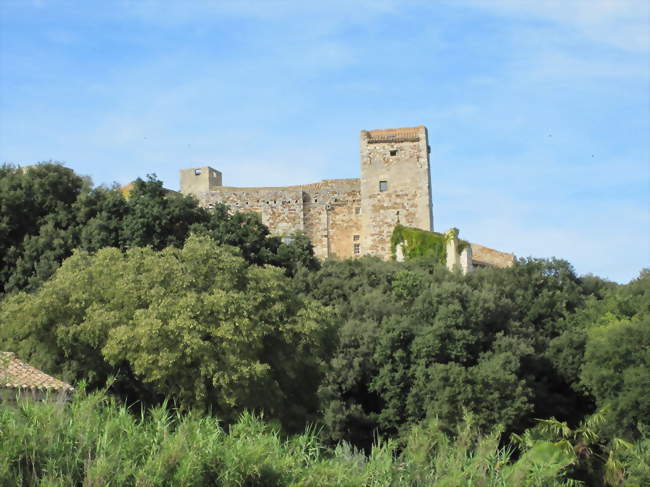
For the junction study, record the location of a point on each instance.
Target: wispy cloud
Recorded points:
(620, 23)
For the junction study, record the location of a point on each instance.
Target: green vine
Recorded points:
(421, 243)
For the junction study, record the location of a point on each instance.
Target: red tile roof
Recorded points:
(493, 258)
(15, 374)
(404, 134)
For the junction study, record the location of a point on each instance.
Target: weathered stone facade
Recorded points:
(343, 218)
(395, 185)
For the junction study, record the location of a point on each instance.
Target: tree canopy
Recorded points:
(197, 324)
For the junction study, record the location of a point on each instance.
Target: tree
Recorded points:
(37, 222)
(157, 219)
(615, 370)
(196, 324)
(418, 341)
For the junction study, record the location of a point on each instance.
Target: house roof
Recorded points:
(493, 258)
(15, 374)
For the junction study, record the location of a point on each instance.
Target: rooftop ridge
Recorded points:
(16, 374)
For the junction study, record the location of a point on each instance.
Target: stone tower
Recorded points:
(395, 185)
(199, 180)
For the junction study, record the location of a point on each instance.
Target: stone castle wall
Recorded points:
(281, 209)
(346, 218)
(342, 217)
(328, 212)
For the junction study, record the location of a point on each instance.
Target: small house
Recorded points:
(18, 379)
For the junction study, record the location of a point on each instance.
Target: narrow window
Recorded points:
(357, 210)
(393, 152)
(357, 249)
(355, 238)
(383, 186)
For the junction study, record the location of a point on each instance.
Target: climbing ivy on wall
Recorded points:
(421, 243)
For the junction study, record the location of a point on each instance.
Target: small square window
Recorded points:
(357, 249)
(197, 172)
(357, 210)
(355, 238)
(383, 186)
(393, 152)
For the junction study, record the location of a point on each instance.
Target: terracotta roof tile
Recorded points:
(15, 374)
(404, 134)
(487, 256)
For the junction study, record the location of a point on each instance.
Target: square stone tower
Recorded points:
(199, 180)
(395, 185)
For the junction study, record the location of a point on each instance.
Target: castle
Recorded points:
(347, 218)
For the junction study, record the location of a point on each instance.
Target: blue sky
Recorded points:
(538, 111)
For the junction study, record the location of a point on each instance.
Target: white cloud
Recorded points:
(620, 23)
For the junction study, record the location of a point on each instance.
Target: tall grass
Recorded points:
(94, 441)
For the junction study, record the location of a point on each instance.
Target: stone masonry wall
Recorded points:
(281, 209)
(329, 216)
(328, 212)
(395, 185)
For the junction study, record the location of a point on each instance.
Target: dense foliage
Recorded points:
(197, 324)
(47, 210)
(203, 310)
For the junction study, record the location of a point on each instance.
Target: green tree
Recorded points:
(602, 351)
(616, 371)
(37, 222)
(158, 219)
(418, 340)
(196, 324)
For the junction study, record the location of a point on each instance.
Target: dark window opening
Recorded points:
(393, 152)
(355, 238)
(357, 211)
(383, 186)
(356, 249)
